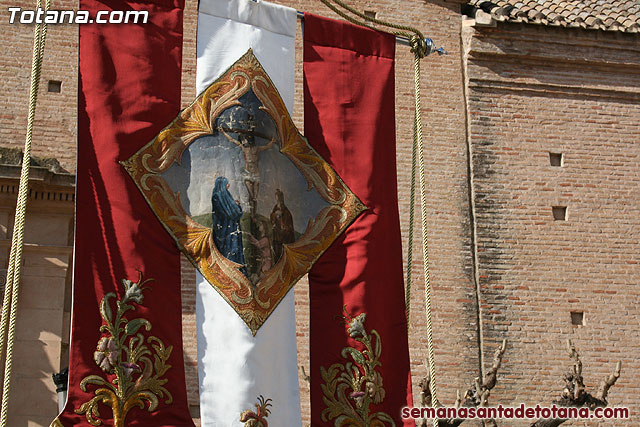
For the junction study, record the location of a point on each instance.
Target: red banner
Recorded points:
(359, 349)
(126, 361)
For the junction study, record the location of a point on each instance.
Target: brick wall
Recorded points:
(533, 91)
(54, 132)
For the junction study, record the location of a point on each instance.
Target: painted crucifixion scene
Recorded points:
(237, 182)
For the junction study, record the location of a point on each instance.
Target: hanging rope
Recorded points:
(398, 30)
(412, 198)
(420, 47)
(418, 147)
(10, 300)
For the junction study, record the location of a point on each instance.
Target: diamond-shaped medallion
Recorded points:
(246, 198)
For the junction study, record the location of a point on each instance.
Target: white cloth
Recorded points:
(234, 367)
(228, 28)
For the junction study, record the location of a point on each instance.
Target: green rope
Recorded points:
(17, 240)
(420, 50)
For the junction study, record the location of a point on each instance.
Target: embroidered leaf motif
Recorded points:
(92, 379)
(357, 356)
(133, 326)
(105, 309)
(122, 353)
(257, 418)
(350, 388)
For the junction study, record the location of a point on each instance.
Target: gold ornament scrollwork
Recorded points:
(350, 388)
(253, 303)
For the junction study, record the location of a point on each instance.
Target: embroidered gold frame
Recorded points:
(253, 304)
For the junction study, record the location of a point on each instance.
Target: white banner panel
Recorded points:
(235, 367)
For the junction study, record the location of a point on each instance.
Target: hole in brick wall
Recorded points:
(577, 318)
(54, 86)
(559, 213)
(370, 14)
(555, 159)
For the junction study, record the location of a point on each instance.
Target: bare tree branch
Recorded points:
(574, 394)
(476, 396)
(490, 377)
(576, 382)
(458, 399)
(609, 381)
(425, 391)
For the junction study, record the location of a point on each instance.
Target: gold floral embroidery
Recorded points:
(123, 352)
(257, 418)
(350, 388)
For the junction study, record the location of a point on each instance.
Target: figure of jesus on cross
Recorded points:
(251, 152)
